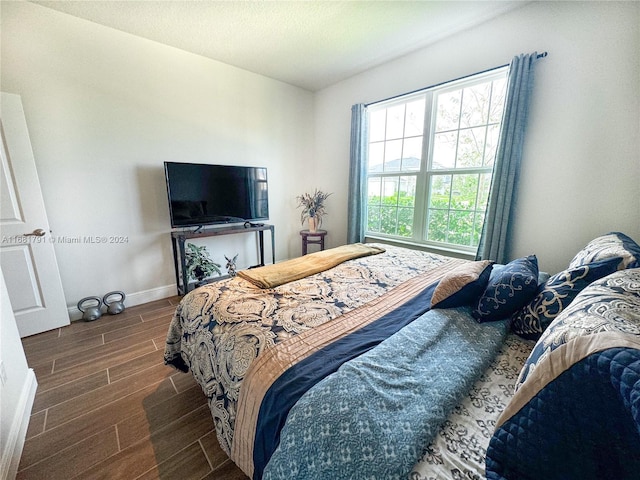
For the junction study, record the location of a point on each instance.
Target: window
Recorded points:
(430, 160)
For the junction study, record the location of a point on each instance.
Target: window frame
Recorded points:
(426, 172)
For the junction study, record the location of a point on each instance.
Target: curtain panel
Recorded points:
(356, 207)
(495, 242)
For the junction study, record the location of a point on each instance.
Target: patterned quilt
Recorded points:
(372, 417)
(460, 447)
(220, 329)
(576, 410)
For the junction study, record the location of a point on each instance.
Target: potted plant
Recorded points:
(199, 264)
(312, 208)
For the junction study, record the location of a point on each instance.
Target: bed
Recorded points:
(393, 363)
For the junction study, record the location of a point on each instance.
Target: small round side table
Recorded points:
(312, 238)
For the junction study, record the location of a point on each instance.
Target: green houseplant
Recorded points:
(313, 208)
(199, 264)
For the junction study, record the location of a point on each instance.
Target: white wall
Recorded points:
(17, 389)
(105, 109)
(581, 166)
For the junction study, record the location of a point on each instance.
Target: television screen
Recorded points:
(202, 194)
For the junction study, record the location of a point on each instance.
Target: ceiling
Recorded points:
(310, 44)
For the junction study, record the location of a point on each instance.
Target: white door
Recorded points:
(26, 249)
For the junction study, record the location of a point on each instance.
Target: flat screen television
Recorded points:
(203, 194)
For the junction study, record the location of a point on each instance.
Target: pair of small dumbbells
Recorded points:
(91, 307)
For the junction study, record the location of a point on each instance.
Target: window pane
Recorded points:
(373, 191)
(407, 192)
(491, 147)
(390, 191)
(484, 185)
(475, 105)
(460, 227)
(405, 222)
(377, 121)
(376, 156)
(477, 229)
(471, 147)
(464, 192)
(448, 110)
(384, 215)
(440, 191)
(373, 219)
(393, 156)
(415, 118)
(444, 150)
(497, 100)
(437, 224)
(411, 154)
(388, 221)
(395, 122)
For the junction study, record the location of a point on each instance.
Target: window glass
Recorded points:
(442, 143)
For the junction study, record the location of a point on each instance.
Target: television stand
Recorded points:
(179, 237)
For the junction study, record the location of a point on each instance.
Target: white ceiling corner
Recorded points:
(310, 44)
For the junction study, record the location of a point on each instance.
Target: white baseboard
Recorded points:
(158, 293)
(136, 298)
(12, 449)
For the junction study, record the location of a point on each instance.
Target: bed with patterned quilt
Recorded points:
(366, 361)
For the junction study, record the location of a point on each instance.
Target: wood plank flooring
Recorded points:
(108, 408)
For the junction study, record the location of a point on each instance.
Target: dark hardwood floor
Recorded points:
(107, 407)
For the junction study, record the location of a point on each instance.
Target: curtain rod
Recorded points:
(540, 55)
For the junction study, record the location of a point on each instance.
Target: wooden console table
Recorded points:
(179, 237)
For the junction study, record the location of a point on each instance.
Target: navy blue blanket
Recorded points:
(584, 425)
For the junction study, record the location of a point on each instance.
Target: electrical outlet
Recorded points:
(3, 374)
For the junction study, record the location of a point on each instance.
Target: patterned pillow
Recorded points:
(556, 294)
(614, 244)
(462, 285)
(509, 289)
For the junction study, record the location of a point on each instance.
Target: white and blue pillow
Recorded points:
(556, 294)
(611, 245)
(510, 288)
(610, 304)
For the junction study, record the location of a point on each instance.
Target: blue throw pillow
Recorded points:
(556, 294)
(509, 289)
(462, 285)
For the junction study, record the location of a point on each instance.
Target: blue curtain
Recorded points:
(357, 174)
(495, 242)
